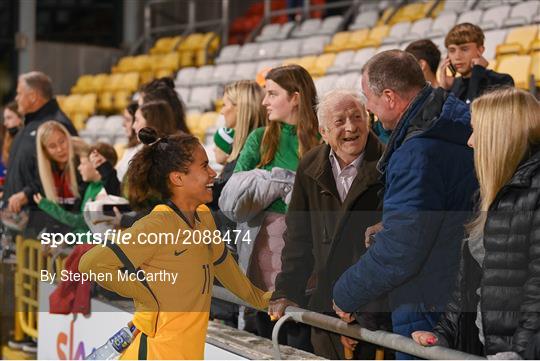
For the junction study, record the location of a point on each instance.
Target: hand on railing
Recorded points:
(424, 338)
(345, 316)
(276, 308)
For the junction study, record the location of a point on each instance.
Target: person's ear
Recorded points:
(324, 132)
(176, 179)
(423, 64)
(389, 96)
(481, 50)
(295, 99)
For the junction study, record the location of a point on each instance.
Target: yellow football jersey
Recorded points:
(170, 280)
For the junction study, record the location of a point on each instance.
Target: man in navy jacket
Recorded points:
(429, 189)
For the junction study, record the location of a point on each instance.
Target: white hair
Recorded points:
(331, 97)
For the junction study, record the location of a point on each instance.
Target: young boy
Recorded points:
(465, 45)
(428, 56)
(91, 176)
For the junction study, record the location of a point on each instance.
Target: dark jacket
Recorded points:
(324, 237)
(481, 80)
(429, 187)
(23, 173)
(509, 280)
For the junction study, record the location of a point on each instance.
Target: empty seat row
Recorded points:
(105, 82)
(272, 49)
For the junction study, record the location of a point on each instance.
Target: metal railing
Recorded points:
(332, 324)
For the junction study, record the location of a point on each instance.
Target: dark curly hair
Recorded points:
(149, 169)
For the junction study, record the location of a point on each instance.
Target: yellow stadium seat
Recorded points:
(519, 40)
(535, 67)
(143, 63)
(98, 82)
(114, 82)
(170, 62)
(165, 45)
(357, 38)
(536, 43)
(72, 103)
(83, 85)
(121, 100)
(125, 65)
(61, 99)
(105, 101)
(163, 73)
(519, 67)
(193, 122)
(339, 41)
(376, 35)
(130, 82)
(146, 76)
(412, 12)
(207, 49)
(308, 62)
(322, 63)
(385, 16)
(87, 103)
(78, 119)
(191, 42)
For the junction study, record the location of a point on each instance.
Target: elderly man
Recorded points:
(429, 187)
(334, 199)
(35, 101)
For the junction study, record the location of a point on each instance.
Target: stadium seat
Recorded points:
(397, 33)
(269, 32)
(308, 28)
(471, 16)
(519, 67)
(290, 61)
(124, 65)
(244, 71)
(322, 63)
(411, 12)
(365, 20)
(493, 17)
(166, 63)
(142, 63)
(203, 75)
(228, 54)
(360, 58)
(183, 93)
(330, 25)
(202, 98)
(442, 24)
(338, 42)
(165, 45)
(489, 4)
(267, 50)
(418, 29)
(493, 38)
(308, 63)
(83, 85)
(185, 76)
(121, 100)
(88, 103)
(314, 45)
(357, 39)
(522, 13)
(222, 73)
(130, 82)
(376, 36)
(207, 48)
(248, 51)
(98, 82)
(105, 101)
(349, 81)
(114, 82)
(518, 40)
(457, 6)
(341, 62)
(325, 84)
(289, 48)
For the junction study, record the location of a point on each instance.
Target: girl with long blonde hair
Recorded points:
(498, 290)
(55, 158)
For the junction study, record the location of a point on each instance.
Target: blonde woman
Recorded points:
(57, 171)
(243, 112)
(496, 306)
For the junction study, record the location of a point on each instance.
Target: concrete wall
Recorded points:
(64, 63)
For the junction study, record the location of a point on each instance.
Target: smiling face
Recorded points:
(383, 106)
(346, 128)
(57, 147)
(461, 56)
(280, 106)
(198, 181)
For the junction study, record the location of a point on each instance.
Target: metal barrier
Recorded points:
(30, 261)
(380, 338)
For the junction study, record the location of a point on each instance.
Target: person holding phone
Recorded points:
(465, 45)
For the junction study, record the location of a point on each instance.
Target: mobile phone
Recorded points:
(108, 209)
(452, 69)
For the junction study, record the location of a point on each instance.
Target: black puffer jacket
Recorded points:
(510, 277)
